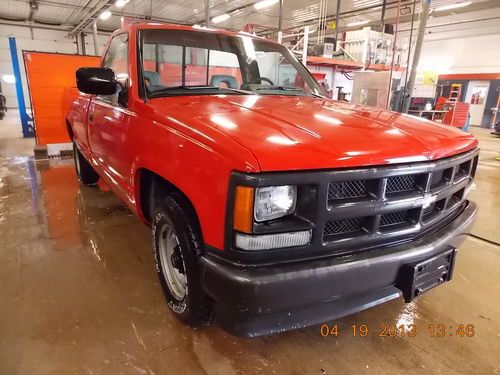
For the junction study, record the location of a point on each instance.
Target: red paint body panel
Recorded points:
(195, 142)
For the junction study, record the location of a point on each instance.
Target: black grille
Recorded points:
(463, 170)
(433, 209)
(337, 227)
(395, 217)
(436, 177)
(431, 193)
(399, 184)
(347, 189)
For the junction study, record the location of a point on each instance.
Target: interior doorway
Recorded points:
(477, 93)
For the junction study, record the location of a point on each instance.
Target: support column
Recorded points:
(280, 17)
(207, 13)
(426, 4)
(27, 130)
(337, 19)
(96, 46)
(306, 44)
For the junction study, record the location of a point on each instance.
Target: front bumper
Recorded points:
(253, 301)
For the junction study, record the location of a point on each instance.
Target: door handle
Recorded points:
(91, 116)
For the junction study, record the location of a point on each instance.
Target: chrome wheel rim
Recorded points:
(172, 262)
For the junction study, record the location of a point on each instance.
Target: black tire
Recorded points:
(195, 307)
(84, 170)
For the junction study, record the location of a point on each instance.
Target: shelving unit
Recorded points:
(455, 92)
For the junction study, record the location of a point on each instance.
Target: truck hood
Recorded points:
(301, 133)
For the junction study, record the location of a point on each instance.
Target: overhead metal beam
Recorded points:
(90, 16)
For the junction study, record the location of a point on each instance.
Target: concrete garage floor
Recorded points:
(79, 295)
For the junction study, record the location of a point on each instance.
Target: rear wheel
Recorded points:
(176, 244)
(86, 174)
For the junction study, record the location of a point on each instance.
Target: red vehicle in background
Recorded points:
(271, 206)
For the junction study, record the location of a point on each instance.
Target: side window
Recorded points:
(117, 59)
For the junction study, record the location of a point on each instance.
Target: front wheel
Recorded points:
(176, 243)
(86, 174)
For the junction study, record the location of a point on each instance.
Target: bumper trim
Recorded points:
(253, 301)
(306, 317)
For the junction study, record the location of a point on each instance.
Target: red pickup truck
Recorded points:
(271, 206)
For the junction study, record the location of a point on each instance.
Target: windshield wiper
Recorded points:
(280, 88)
(287, 89)
(166, 90)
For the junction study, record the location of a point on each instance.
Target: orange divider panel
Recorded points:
(52, 86)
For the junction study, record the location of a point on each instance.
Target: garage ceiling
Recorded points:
(71, 14)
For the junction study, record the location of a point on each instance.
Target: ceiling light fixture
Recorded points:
(452, 6)
(357, 23)
(265, 4)
(105, 15)
(221, 18)
(121, 3)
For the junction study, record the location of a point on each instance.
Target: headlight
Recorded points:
(274, 201)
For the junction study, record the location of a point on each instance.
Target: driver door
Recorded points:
(109, 120)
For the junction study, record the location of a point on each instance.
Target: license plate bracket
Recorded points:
(419, 277)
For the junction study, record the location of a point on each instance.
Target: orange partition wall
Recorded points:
(52, 86)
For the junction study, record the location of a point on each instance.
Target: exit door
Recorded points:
(476, 95)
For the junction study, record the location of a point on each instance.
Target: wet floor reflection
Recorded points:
(79, 294)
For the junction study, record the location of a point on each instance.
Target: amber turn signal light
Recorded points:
(243, 209)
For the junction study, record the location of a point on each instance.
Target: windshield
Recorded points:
(178, 62)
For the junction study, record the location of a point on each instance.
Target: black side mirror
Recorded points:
(97, 81)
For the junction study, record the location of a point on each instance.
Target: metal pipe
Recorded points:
(416, 54)
(280, 16)
(77, 39)
(394, 50)
(207, 13)
(35, 25)
(94, 29)
(382, 18)
(84, 47)
(306, 44)
(337, 19)
(401, 102)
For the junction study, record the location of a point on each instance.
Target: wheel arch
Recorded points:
(69, 129)
(152, 187)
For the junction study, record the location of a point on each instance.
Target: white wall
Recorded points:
(460, 43)
(36, 40)
(477, 54)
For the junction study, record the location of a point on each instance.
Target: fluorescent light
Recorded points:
(121, 3)
(452, 6)
(105, 15)
(9, 78)
(357, 23)
(264, 4)
(221, 18)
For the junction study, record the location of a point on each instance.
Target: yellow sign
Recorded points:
(430, 78)
(331, 25)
